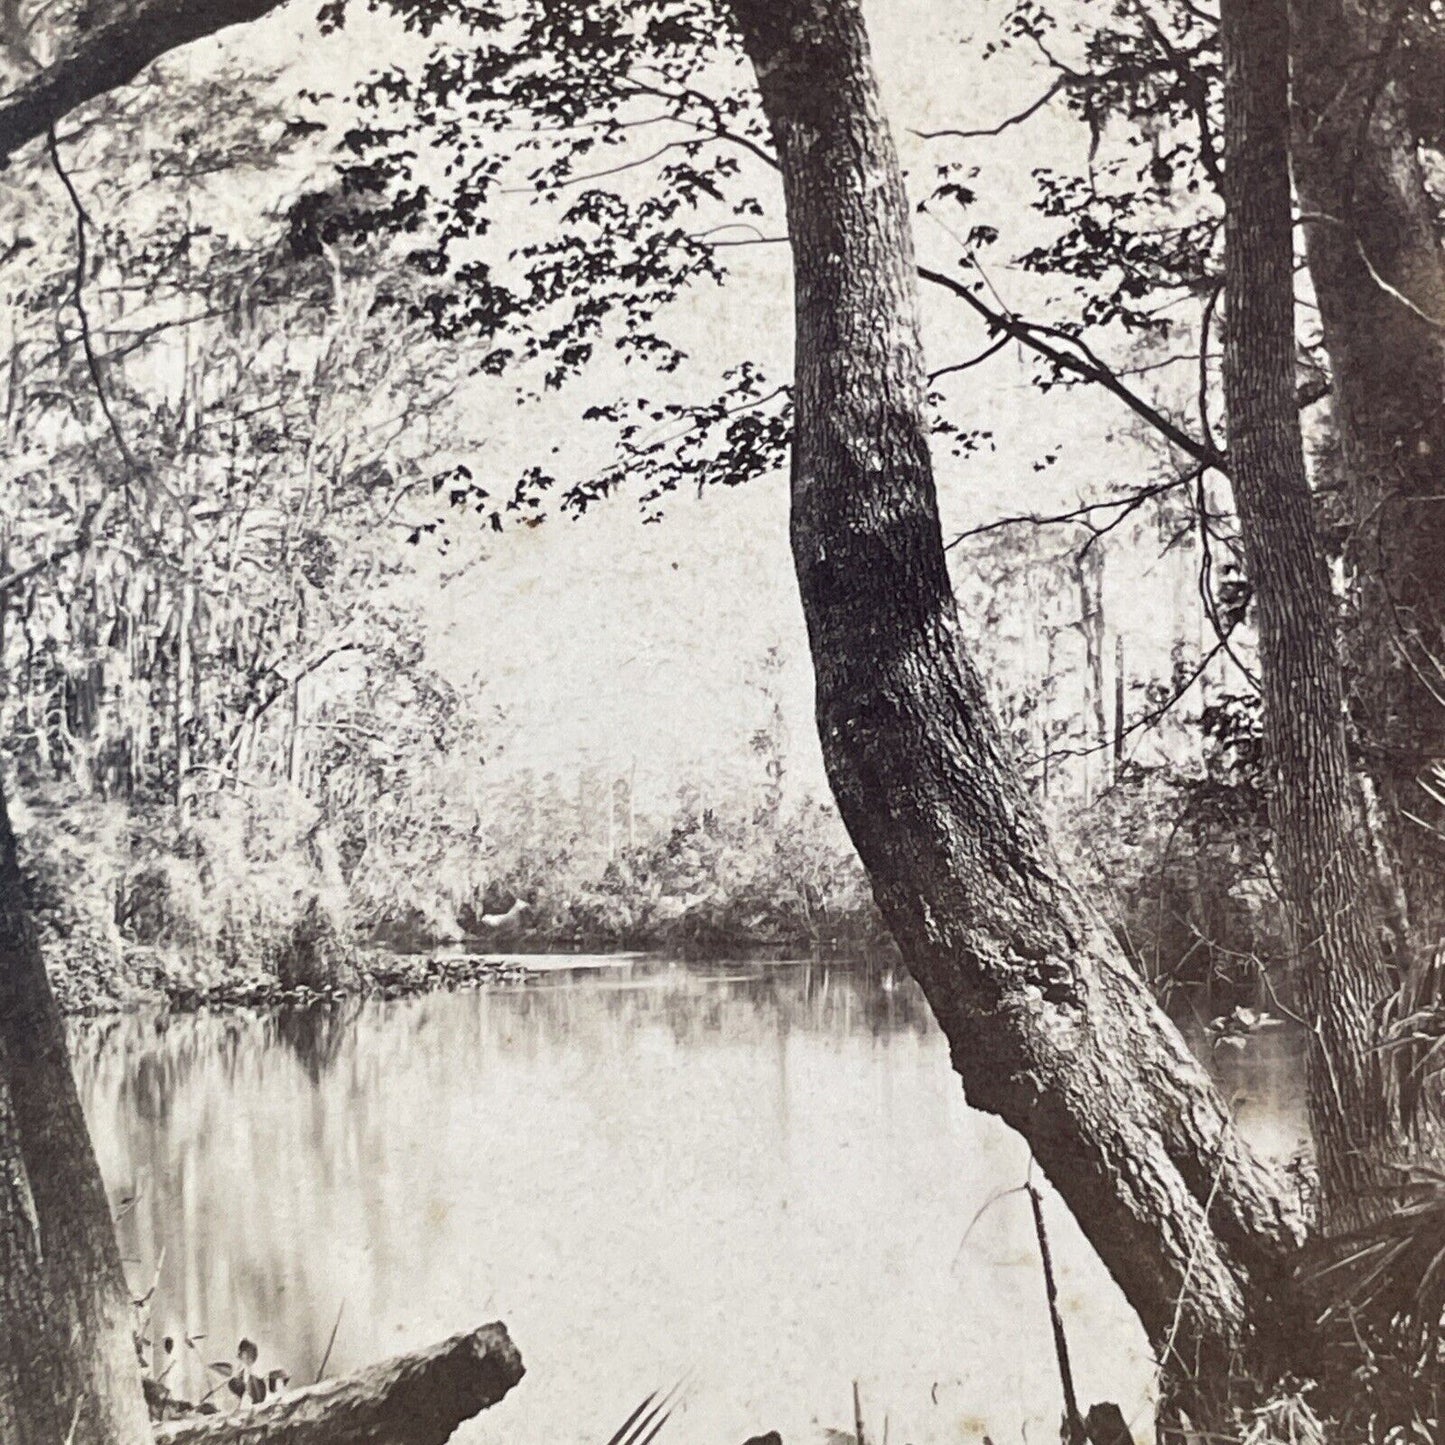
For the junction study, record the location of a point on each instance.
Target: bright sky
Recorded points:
(610, 642)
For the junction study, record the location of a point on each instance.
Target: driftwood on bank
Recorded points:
(415, 1399)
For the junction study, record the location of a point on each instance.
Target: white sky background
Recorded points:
(612, 643)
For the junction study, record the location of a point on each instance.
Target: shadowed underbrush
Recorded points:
(256, 895)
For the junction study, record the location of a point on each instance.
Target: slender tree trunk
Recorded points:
(185, 720)
(1047, 1024)
(1374, 256)
(1088, 571)
(1119, 689)
(1326, 859)
(68, 1370)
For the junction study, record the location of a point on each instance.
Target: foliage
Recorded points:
(1388, 1279)
(245, 1385)
(1182, 860)
(629, 130)
(276, 419)
(713, 881)
(403, 840)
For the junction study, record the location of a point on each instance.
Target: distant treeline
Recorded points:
(135, 901)
(254, 891)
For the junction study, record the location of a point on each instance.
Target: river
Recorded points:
(761, 1181)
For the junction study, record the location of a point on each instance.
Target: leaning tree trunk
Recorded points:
(1047, 1024)
(1373, 247)
(1327, 863)
(68, 1369)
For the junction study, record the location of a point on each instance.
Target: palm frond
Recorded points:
(645, 1423)
(1392, 1272)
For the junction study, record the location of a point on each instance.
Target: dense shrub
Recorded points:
(257, 885)
(1181, 859)
(130, 896)
(707, 882)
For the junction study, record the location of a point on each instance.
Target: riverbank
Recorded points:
(261, 898)
(92, 983)
(140, 981)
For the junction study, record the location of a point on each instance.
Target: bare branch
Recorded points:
(1003, 125)
(991, 350)
(1072, 355)
(1084, 515)
(1146, 720)
(87, 340)
(1206, 321)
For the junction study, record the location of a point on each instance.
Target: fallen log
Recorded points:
(415, 1399)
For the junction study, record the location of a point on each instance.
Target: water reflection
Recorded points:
(758, 1176)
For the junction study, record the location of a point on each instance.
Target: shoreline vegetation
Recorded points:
(253, 900)
(264, 895)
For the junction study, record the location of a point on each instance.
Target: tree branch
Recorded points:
(87, 340)
(1083, 515)
(993, 348)
(1016, 119)
(111, 54)
(1080, 362)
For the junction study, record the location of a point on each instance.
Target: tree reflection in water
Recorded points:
(761, 1174)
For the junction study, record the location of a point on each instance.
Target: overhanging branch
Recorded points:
(1069, 354)
(110, 55)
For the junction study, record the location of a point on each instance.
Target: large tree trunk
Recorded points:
(1327, 863)
(68, 1369)
(1374, 257)
(1047, 1024)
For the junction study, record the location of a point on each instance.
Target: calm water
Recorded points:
(759, 1179)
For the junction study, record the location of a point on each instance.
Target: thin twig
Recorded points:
(1149, 718)
(973, 361)
(326, 1358)
(1003, 125)
(981, 1211)
(1082, 514)
(1206, 321)
(87, 340)
(1073, 1422)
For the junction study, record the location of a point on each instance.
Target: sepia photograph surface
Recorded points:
(722, 722)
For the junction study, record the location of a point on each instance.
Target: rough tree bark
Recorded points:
(1047, 1024)
(1374, 256)
(1327, 860)
(68, 1370)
